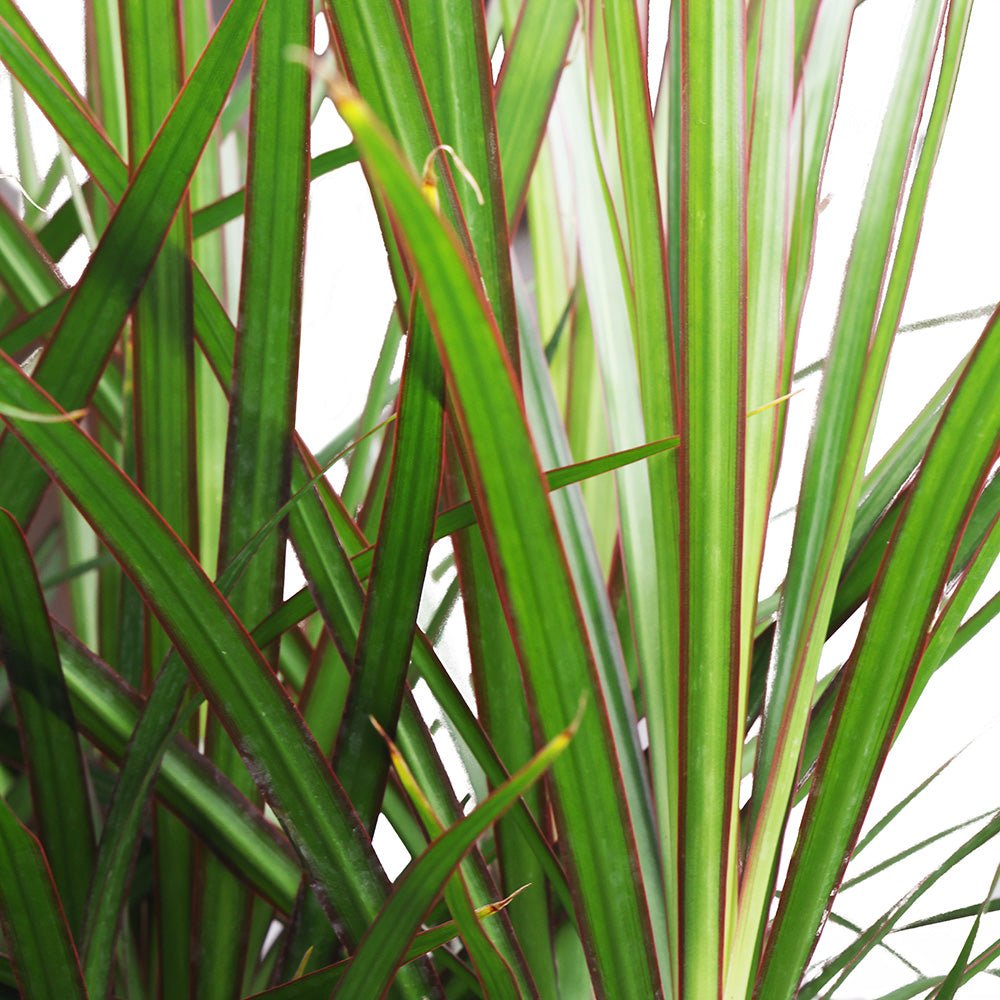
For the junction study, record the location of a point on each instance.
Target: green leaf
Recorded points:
(52, 751)
(399, 565)
(318, 985)
(216, 214)
(285, 762)
(384, 946)
(712, 406)
(532, 65)
(956, 976)
(161, 337)
(530, 569)
(262, 409)
(886, 922)
(35, 930)
(886, 658)
(120, 836)
(108, 711)
(837, 453)
(85, 335)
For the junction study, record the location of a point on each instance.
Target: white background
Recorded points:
(348, 298)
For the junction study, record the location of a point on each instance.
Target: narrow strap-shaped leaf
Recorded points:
(319, 984)
(980, 963)
(498, 978)
(70, 366)
(612, 322)
(340, 599)
(532, 64)
(769, 340)
(449, 41)
(647, 259)
(530, 569)
(26, 57)
(48, 730)
(283, 758)
(149, 741)
(340, 591)
(216, 214)
(107, 712)
(163, 429)
(262, 409)
(372, 966)
(819, 88)
(463, 515)
(364, 457)
(843, 962)
(35, 930)
(29, 278)
(119, 836)
(712, 426)
(398, 569)
(835, 460)
(885, 659)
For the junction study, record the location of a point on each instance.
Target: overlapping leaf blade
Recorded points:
(598, 837)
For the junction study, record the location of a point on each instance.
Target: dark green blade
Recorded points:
(163, 425)
(261, 411)
(48, 729)
(35, 931)
(285, 761)
(79, 348)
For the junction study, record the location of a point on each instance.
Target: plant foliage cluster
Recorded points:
(193, 764)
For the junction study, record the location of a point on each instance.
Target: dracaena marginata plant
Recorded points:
(193, 762)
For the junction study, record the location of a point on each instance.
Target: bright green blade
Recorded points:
(530, 569)
(319, 984)
(842, 963)
(326, 562)
(463, 515)
(886, 657)
(371, 969)
(657, 572)
(498, 978)
(612, 321)
(29, 277)
(48, 733)
(532, 64)
(712, 393)
(770, 92)
(35, 931)
(821, 36)
(449, 40)
(837, 451)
